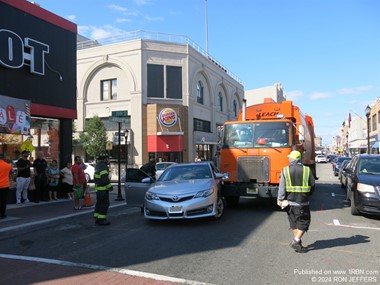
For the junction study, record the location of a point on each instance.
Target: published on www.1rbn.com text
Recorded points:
(353, 275)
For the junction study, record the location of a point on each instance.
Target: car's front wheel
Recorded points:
(354, 210)
(219, 208)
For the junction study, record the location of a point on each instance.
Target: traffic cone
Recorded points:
(87, 199)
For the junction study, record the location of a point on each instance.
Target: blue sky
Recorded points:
(325, 53)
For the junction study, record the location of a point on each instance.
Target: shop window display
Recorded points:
(44, 136)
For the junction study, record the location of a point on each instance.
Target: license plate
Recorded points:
(252, 190)
(175, 209)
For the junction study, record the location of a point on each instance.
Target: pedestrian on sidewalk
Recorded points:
(102, 187)
(40, 166)
(79, 182)
(5, 173)
(67, 180)
(297, 183)
(53, 179)
(23, 178)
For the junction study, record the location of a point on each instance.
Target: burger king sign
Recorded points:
(168, 117)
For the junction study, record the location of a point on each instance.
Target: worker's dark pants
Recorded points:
(41, 193)
(102, 204)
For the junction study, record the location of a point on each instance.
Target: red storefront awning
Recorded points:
(165, 143)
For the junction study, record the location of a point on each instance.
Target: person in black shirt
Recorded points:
(150, 168)
(40, 166)
(23, 178)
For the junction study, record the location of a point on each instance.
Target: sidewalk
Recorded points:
(32, 270)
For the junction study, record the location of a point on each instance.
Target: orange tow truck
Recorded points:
(254, 148)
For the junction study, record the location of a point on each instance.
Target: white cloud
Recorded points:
(123, 20)
(291, 95)
(97, 33)
(355, 90)
(118, 8)
(320, 95)
(140, 2)
(353, 102)
(83, 30)
(71, 18)
(153, 19)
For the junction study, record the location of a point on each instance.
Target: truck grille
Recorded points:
(253, 168)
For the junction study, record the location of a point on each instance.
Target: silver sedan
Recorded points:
(184, 191)
(189, 190)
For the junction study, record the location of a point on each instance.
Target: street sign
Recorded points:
(120, 113)
(126, 120)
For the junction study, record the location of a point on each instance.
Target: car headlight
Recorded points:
(204, 193)
(365, 188)
(151, 196)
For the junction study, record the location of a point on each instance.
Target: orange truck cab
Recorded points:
(254, 148)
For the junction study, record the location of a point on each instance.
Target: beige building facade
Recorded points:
(173, 96)
(256, 96)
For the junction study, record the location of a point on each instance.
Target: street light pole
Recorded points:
(367, 113)
(119, 197)
(126, 149)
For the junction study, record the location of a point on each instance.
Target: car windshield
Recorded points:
(341, 159)
(186, 172)
(162, 166)
(263, 134)
(369, 166)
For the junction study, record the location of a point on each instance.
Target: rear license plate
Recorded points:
(175, 209)
(252, 190)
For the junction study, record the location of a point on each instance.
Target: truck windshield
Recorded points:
(256, 135)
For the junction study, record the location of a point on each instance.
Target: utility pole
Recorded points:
(206, 17)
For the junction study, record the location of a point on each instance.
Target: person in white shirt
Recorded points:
(67, 181)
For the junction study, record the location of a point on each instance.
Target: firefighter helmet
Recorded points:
(103, 154)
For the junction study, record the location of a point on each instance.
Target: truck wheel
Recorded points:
(232, 200)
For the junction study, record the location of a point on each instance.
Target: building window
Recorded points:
(220, 102)
(235, 108)
(174, 82)
(155, 81)
(202, 126)
(109, 89)
(200, 92)
(374, 123)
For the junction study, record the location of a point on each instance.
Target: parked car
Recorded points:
(342, 173)
(338, 163)
(363, 184)
(183, 191)
(89, 171)
(320, 158)
(331, 157)
(161, 166)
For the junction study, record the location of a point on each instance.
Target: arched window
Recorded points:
(235, 108)
(200, 92)
(220, 102)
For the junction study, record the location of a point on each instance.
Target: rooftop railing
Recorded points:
(155, 36)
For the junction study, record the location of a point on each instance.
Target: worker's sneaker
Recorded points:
(298, 247)
(102, 222)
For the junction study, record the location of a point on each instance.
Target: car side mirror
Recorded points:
(147, 180)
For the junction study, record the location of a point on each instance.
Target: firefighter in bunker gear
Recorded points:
(102, 188)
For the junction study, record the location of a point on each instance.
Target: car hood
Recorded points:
(181, 187)
(369, 179)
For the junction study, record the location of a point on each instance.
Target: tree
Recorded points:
(94, 137)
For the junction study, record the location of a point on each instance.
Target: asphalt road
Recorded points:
(249, 245)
